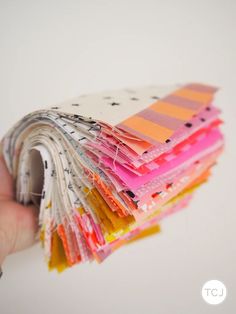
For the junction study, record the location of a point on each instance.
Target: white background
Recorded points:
(54, 50)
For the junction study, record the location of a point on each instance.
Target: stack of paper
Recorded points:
(106, 168)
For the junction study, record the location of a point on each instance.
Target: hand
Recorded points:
(18, 223)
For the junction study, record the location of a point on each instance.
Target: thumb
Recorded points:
(18, 227)
(18, 223)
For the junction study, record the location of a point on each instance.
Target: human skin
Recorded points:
(18, 223)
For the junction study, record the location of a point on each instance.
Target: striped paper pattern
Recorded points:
(157, 123)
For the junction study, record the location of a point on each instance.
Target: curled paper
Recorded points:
(104, 169)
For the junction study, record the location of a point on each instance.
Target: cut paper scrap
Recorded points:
(158, 122)
(106, 168)
(134, 181)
